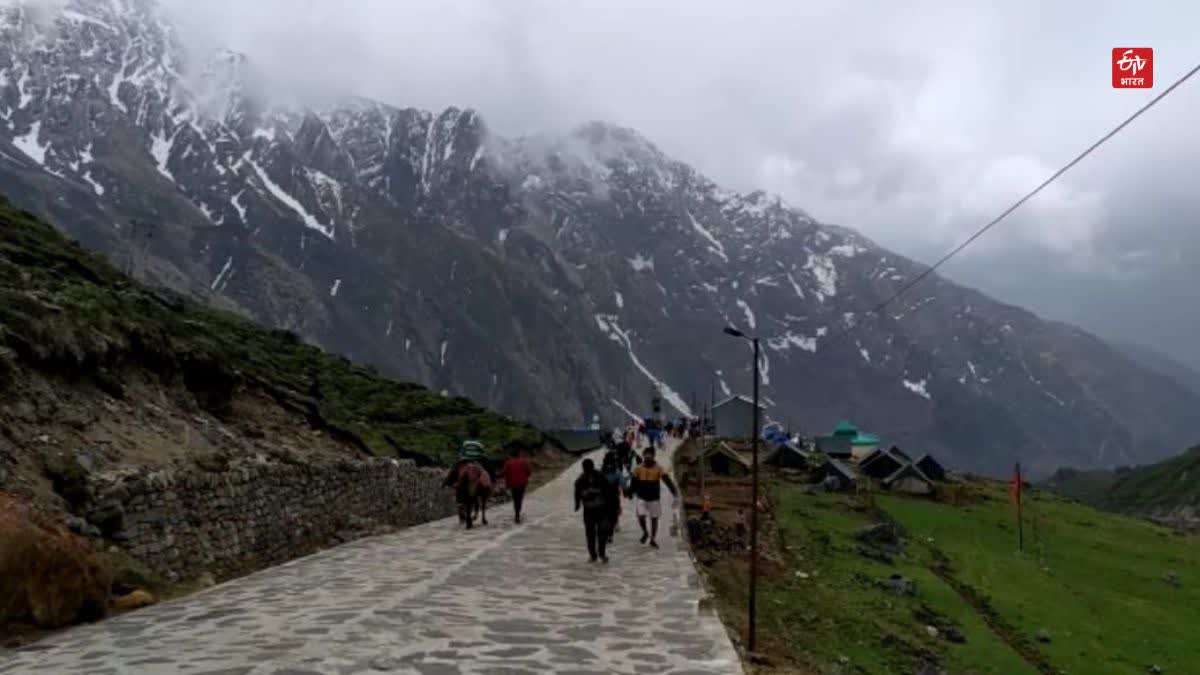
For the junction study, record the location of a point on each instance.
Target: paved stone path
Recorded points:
(432, 599)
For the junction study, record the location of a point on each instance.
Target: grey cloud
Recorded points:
(913, 122)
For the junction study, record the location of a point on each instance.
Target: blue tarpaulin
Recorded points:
(775, 435)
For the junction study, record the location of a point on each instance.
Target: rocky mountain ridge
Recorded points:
(551, 277)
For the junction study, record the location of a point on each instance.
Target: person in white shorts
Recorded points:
(648, 478)
(648, 509)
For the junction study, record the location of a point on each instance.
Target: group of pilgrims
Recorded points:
(600, 493)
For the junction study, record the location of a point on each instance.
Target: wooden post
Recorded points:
(1020, 521)
(712, 403)
(752, 641)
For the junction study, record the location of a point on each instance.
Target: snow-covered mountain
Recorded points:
(551, 277)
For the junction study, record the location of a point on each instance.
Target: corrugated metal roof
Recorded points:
(739, 397)
(845, 428)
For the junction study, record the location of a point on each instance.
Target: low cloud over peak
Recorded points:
(912, 123)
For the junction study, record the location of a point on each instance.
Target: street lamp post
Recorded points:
(752, 633)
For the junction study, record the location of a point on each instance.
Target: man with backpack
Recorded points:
(594, 494)
(618, 480)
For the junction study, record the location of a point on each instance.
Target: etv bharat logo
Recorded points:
(1132, 67)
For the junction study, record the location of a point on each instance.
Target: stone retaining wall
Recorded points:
(185, 522)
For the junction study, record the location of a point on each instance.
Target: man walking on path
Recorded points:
(516, 474)
(648, 493)
(613, 473)
(592, 494)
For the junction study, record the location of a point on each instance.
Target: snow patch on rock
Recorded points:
(788, 340)
(640, 263)
(715, 245)
(96, 186)
(751, 321)
(918, 388)
(609, 326)
(865, 354)
(223, 277)
(846, 250)
(795, 286)
(724, 387)
(160, 149)
(289, 201)
(237, 204)
(29, 144)
(825, 274)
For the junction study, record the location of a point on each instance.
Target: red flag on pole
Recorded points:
(1015, 484)
(1016, 495)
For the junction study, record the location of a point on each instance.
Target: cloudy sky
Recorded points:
(912, 122)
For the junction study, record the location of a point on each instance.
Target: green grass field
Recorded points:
(1094, 582)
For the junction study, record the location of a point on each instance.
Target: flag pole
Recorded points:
(1020, 520)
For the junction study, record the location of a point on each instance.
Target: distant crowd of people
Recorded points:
(652, 432)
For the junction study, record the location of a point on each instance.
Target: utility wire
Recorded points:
(996, 221)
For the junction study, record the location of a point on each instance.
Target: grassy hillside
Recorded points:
(1165, 485)
(1085, 485)
(68, 317)
(1166, 490)
(1092, 593)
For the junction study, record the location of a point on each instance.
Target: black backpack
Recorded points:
(592, 495)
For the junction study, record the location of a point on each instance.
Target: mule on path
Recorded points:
(473, 487)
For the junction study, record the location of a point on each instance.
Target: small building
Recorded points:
(863, 445)
(880, 464)
(734, 417)
(722, 460)
(837, 468)
(909, 480)
(931, 468)
(787, 456)
(837, 447)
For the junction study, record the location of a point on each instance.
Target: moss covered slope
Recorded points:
(68, 314)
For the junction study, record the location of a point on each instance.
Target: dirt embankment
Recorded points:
(720, 544)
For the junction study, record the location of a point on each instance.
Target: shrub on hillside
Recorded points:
(48, 575)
